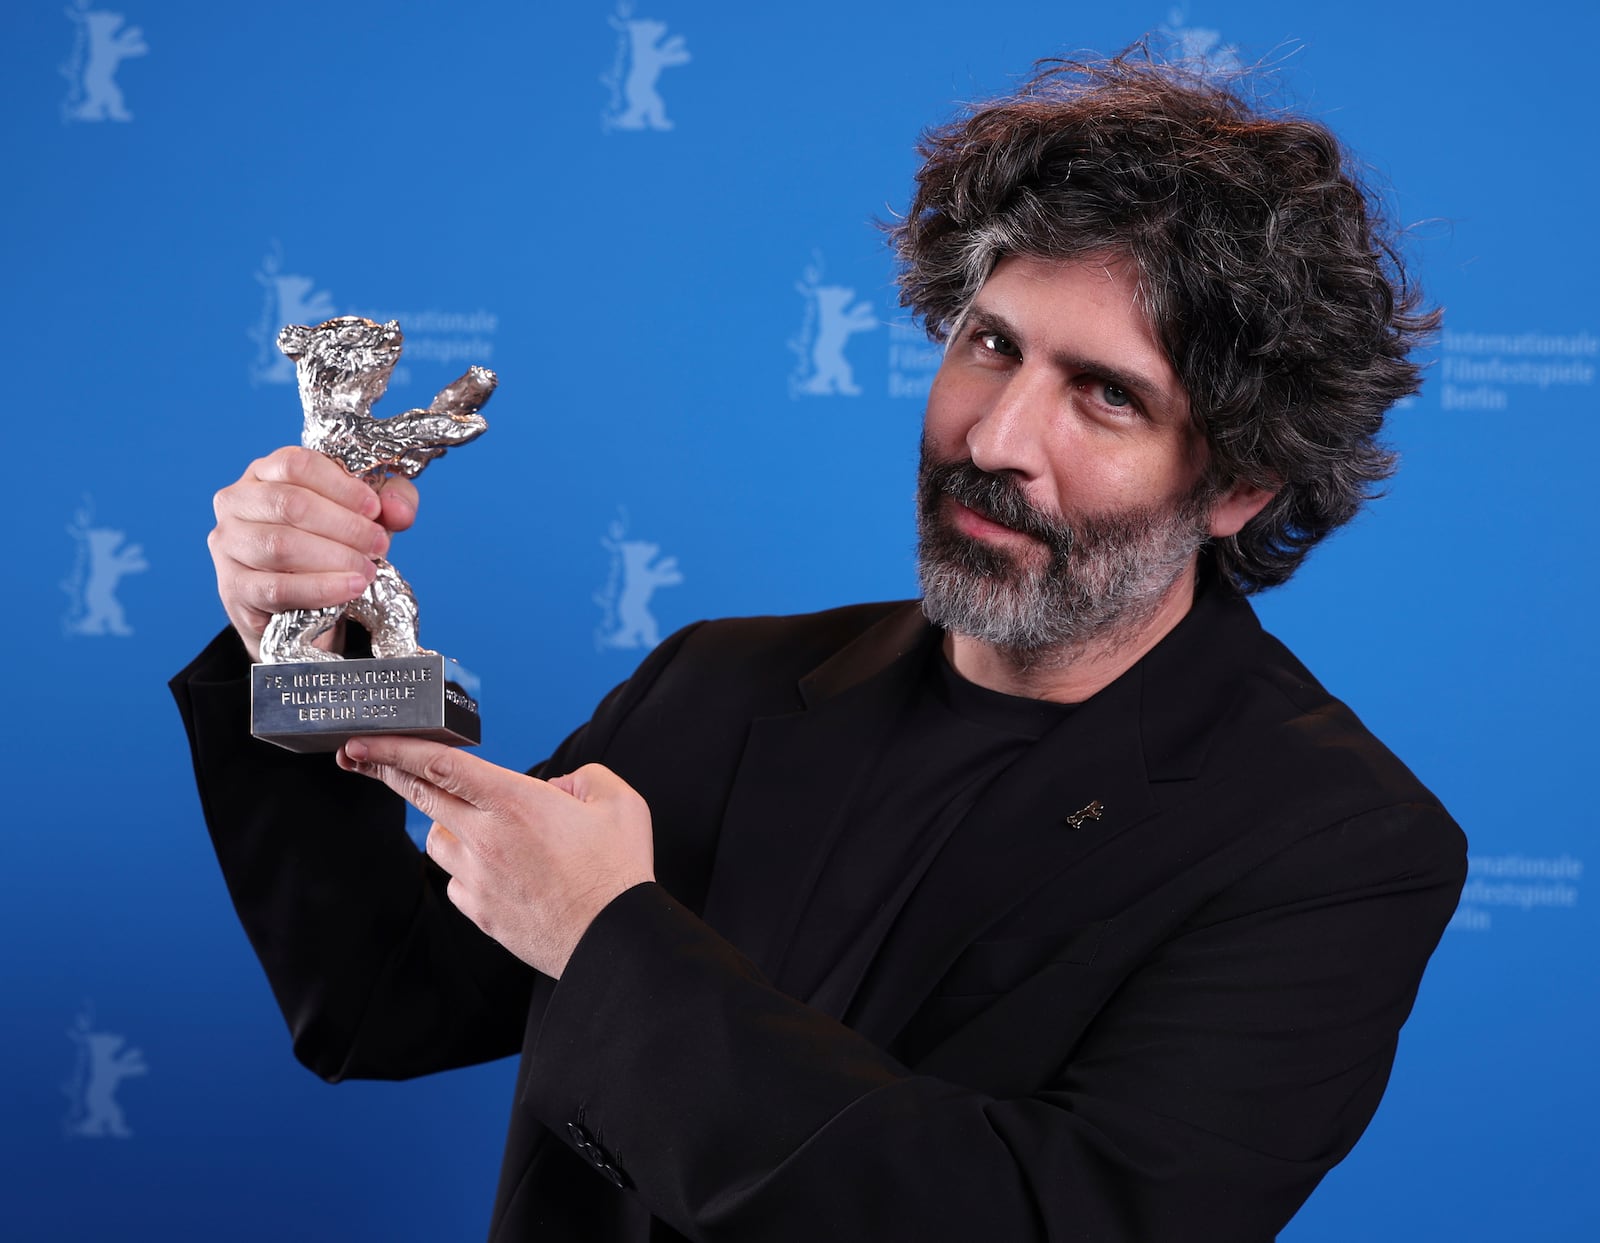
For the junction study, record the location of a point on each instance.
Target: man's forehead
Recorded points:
(1116, 276)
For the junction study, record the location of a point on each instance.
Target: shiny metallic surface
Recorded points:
(343, 367)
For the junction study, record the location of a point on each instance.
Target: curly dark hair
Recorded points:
(1265, 266)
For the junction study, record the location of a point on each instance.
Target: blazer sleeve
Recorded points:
(1206, 1100)
(377, 974)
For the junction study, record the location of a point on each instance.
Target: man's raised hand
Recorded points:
(298, 532)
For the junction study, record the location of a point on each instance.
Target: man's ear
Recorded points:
(1235, 507)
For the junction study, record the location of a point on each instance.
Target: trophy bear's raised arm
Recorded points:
(343, 367)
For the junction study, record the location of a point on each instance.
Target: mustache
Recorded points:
(998, 498)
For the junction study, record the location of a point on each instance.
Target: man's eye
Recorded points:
(1115, 396)
(997, 344)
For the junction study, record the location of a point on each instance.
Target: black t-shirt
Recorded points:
(953, 738)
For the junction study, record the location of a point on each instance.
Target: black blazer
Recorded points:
(1149, 989)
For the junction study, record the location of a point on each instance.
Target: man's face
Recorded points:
(1061, 494)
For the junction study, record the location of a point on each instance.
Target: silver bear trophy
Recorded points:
(343, 367)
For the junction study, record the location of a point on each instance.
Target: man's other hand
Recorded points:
(298, 532)
(531, 862)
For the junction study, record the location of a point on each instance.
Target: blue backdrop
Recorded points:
(654, 220)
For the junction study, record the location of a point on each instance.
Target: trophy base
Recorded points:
(316, 705)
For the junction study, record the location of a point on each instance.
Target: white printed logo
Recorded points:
(637, 570)
(832, 317)
(456, 338)
(101, 562)
(1480, 368)
(1515, 882)
(643, 51)
(913, 361)
(289, 298)
(1202, 47)
(100, 45)
(98, 1070)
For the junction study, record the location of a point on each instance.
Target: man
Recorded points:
(1066, 905)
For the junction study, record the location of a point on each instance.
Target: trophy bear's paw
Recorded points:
(306, 652)
(289, 636)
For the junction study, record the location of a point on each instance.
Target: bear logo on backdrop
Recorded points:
(637, 571)
(432, 335)
(644, 49)
(103, 561)
(100, 1065)
(100, 44)
(1199, 45)
(288, 298)
(832, 316)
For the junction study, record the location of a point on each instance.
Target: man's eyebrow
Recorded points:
(1141, 386)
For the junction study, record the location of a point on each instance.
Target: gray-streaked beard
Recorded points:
(1104, 574)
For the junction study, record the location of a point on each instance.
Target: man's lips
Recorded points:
(978, 526)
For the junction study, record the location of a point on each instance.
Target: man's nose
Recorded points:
(1010, 433)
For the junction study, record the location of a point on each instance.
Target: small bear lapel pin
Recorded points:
(1091, 812)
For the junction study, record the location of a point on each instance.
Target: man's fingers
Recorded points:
(283, 506)
(444, 767)
(453, 858)
(398, 497)
(425, 797)
(443, 847)
(286, 550)
(591, 783)
(305, 468)
(266, 594)
(269, 569)
(297, 531)
(530, 863)
(441, 782)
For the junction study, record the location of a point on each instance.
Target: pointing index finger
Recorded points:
(412, 769)
(449, 770)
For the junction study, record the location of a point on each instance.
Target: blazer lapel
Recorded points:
(797, 780)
